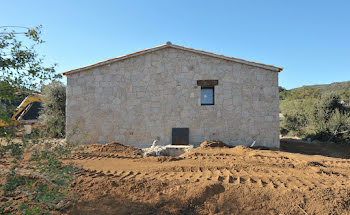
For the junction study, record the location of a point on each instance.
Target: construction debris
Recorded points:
(155, 151)
(168, 150)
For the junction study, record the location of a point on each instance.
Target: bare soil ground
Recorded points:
(116, 179)
(209, 180)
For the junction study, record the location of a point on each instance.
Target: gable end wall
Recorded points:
(138, 99)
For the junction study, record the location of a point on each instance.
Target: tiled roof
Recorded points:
(169, 44)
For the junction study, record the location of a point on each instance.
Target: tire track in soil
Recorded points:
(236, 174)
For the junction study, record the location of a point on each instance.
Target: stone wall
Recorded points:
(138, 99)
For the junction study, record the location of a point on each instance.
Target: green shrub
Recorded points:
(324, 119)
(296, 116)
(53, 113)
(330, 120)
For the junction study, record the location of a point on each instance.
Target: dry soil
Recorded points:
(114, 179)
(212, 179)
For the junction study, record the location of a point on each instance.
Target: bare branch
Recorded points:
(14, 26)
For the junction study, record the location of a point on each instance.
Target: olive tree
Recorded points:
(53, 113)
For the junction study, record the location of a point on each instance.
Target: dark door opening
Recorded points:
(180, 136)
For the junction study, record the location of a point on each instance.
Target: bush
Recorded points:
(330, 120)
(296, 116)
(53, 113)
(324, 119)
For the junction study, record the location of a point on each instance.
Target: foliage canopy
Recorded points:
(316, 112)
(53, 113)
(42, 181)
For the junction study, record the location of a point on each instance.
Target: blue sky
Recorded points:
(309, 39)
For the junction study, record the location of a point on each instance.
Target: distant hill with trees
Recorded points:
(342, 89)
(316, 112)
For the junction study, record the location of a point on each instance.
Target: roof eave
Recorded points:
(112, 60)
(238, 60)
(168, 44)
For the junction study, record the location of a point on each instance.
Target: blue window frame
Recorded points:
(207, 96)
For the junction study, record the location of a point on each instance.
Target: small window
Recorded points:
(207, 96)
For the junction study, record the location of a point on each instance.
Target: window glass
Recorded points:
(207, 96)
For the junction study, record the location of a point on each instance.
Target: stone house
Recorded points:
(174, 94)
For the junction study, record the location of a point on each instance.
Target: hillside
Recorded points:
(315, 91)
(317, 112)
(332, 86)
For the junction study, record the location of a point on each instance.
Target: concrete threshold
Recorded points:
(176, 150)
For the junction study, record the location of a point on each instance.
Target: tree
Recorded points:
(42, 181)
(296, 120)
(282, 92)
(53, 113)
(21, 68)
(281, 89)
(20, 64)
(329, 119)
(324, 119)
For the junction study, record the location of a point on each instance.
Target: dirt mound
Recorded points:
(212, 144)
(242, 150)
(217, 152)
(114, 147)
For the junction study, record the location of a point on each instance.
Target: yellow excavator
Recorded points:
(21, 110)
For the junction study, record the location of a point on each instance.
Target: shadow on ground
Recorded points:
(326, 149)
(110, 205)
